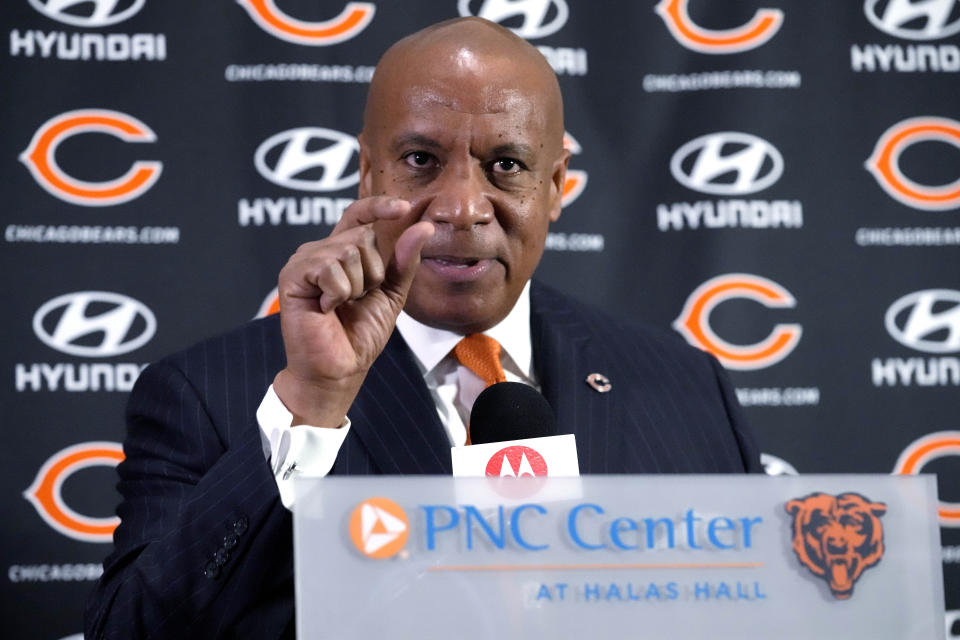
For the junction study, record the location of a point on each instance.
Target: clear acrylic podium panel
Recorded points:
(619, 557)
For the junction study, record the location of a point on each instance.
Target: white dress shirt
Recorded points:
(311, 451)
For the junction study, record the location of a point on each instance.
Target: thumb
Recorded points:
(406, 259)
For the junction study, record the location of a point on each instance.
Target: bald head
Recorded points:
(474, 62)
(464, 121)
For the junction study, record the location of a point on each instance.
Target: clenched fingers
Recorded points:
(331, 271)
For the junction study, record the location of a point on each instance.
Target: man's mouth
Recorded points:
(450, 261)
(457, 268)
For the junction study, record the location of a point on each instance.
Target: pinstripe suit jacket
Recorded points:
(204, 548)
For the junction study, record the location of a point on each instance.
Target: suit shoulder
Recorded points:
(616, 330)
(223, 377)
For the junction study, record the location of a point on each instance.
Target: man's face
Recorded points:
(475, 146)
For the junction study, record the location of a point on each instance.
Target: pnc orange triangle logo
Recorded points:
(379, 528)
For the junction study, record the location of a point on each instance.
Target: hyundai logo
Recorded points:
(537, 20)
(926, 320)
(927, 20)
(309, 159)
(727, 163)
(94, 324)
(104, 12)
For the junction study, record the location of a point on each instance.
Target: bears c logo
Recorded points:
(348, 23)
(837, 537)
(927, 449)
(694, 321)
(379, 528)
(270, 304)
(884, 164)
(576, 180)
(763, 26)
(46, 497)
(40, 158)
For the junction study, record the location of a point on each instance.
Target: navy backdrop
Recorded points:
(778, 180)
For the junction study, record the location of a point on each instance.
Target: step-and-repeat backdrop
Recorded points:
(776, 180)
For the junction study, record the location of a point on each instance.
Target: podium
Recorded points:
(596, 557)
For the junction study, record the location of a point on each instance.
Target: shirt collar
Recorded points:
(431, 345)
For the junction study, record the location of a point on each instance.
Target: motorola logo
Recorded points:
(927, 320)
(88, 13)
(516, 461)
(926, 20)
(94, 324)
(536, 18)
(309, 159)
(727, 163)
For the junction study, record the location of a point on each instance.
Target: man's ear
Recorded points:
(557, 181)
(365, 189)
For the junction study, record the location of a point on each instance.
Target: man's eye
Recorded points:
(506, 166)
(419, 159)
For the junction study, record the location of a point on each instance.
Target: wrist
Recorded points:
(322, 403)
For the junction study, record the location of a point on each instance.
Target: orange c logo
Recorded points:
(576, 180)
(694, 321)
(379, 528)
(45, 492)
(885, 166)
(270, 304)
(926, 449)
(763, 26)
(40, 158)
(352, 20)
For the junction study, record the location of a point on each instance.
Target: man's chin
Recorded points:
(463, 316)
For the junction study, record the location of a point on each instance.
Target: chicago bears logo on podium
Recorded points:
(837, 537)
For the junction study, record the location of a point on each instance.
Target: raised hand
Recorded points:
(339, 301)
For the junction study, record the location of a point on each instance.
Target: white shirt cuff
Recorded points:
(302, 451)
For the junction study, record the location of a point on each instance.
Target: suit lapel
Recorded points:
(564, 355)
(395, 417)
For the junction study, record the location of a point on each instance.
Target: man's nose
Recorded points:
(460, 198)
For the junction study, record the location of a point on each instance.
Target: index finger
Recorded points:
(369, 210)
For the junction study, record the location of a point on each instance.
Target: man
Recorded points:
(461, 167)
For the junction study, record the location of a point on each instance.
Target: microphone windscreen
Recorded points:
(510, 411)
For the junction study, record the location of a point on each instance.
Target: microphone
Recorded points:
(511, 434)
(510, 411)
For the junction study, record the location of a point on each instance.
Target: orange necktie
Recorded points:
(481, 355)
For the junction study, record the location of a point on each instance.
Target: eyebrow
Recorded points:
(415, 140)
(518, 149)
